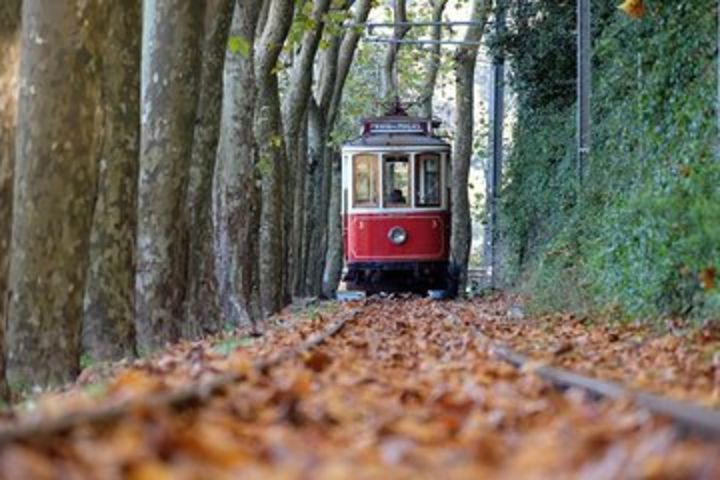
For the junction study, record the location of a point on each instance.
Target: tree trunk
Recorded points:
(465, 62)
(236, 197)
(389, 72)
(301, 173)
(172, 35)
(272, 158)
(108, 332)
(334, 255)
(10, 54)
(334, 251)
(54, 190)
(294, 113)
(319, 184)
(433, 61)
(315, 223)
(203, 314)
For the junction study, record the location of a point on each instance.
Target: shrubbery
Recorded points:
(643, 234)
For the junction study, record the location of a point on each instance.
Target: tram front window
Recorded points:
(365, 178)
(396, 179)
(427, 180)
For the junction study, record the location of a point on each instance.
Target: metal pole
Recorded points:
(497, 123)
(584, 86)
(418, 41)
(372, 25)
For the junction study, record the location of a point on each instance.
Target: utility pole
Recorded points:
(497, 122)
(584, 86)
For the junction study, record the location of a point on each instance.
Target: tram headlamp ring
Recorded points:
(397, 235)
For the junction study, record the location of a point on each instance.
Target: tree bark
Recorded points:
(389, 71)
(10, 54)
(236, 196)
(54, 190)
(433, 61)
(314, 228)
(300, 166)
(465, 62)
(172, 35)
(203, 313)
(108, 332)
(272, 158)
(319, 183)
(294, 114)
(334, 251)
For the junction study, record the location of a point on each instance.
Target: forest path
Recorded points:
(402, 390)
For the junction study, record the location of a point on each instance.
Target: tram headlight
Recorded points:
(397, 235)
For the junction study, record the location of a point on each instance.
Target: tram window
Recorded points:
(427, 180)
(365, 181)
(396, 177)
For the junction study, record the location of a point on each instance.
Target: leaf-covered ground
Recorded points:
(404, 390)
(683, 364)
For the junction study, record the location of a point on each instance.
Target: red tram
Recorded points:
(396, 206)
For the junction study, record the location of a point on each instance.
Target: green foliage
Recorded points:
(86, 361)
(645, 228)
(229, 345)
(238, 44)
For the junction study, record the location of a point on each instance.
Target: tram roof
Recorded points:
(396, 140)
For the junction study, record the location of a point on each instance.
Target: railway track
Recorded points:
(690, 419)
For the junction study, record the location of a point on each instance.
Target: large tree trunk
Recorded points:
(108, 332)
(272, 158)
(236, 197)
(203, 315)
(433, 62)
(301, 173)
(54, 193)
(319, 182)
(334, 254)
(294, 114)
(334, 251)
(172, 36)
(465, 62)
(10, 55)
(314, 200)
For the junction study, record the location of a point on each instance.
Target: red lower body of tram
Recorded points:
(398, 251)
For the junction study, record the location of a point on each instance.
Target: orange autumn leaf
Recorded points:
(150, 471)
(707, 278)
(134, 382)
(633, 8)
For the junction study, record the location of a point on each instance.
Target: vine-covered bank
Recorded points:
(643, 233)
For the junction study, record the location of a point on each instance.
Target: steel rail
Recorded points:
(689, 419)
(43, 429)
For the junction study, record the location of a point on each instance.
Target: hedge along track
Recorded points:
(689, 419)
(41, 430)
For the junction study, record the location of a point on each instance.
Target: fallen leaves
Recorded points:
(401, 392)
(679, 364)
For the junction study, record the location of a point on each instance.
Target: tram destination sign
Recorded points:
(396, 127)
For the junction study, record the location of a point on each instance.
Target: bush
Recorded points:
(644, 231)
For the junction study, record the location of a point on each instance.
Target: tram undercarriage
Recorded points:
(397, 277)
